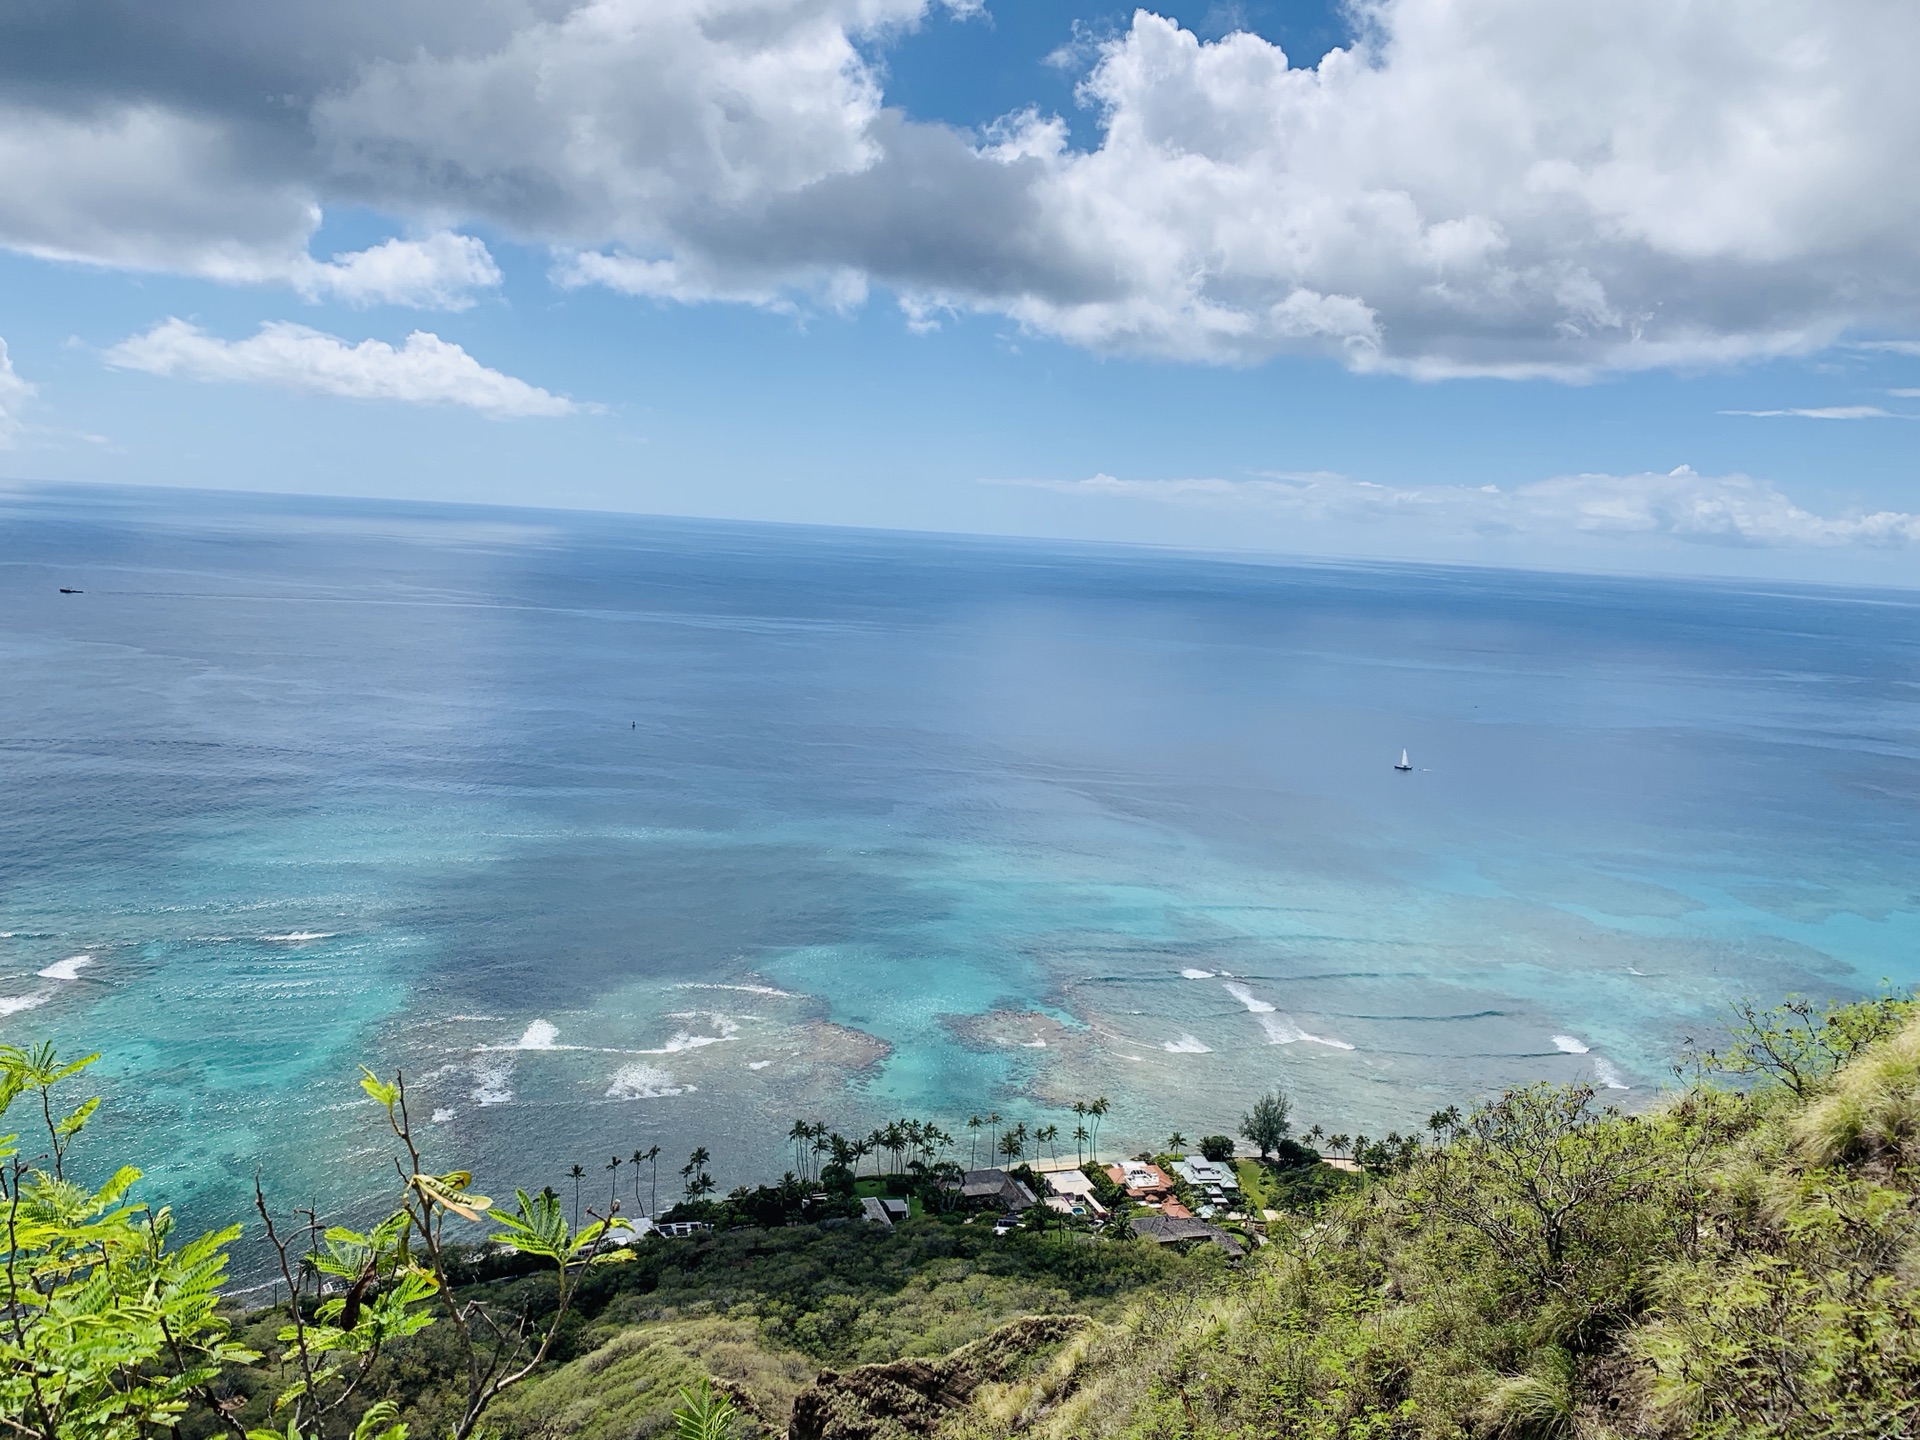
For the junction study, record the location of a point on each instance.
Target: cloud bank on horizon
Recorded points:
(1471, 187)
(1727, 510)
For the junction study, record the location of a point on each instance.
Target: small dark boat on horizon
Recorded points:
(65, 590)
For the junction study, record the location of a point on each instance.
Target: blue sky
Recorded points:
(1490, 285)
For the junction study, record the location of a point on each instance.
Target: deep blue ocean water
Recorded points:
(618, 831)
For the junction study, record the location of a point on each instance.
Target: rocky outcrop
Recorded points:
(907, 1398)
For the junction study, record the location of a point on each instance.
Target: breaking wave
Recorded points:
(490, 1076)
(643, 1082)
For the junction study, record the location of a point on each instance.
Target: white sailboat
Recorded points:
(1405, 764)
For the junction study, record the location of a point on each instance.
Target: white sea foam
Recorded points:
(14, 1004)
(1185, 1045)
(1192, 974)
(1569, 1045)
(296, 937)
(758, 1064)
(67, 969)
(1281, 1030)
(1609, 1076)
(743, 989)
(1034, 1044)
(442, 1115)
(683, 1040)
(1247, 998)
(643, 1082)
(490, 1076)
(540, 1035)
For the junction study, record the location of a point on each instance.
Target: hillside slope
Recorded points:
(1734, 1263)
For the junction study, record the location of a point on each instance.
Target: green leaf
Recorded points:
(379, 1423)
(704, 1414)
(387, 1094)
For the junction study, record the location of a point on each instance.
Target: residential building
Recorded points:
(997, 1188)
(884, 1211)
(1164, 1229)
(1141, 1180)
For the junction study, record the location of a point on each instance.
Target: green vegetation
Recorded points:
(1741, 1260)
(106, 1330)
(1733, 1263)
(1268, 1124)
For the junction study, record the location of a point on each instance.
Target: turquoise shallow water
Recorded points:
(617, 832)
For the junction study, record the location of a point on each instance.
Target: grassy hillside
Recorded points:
(761, 1312)
(1734, 1263)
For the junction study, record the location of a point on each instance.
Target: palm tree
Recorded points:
(636, 1160)
(1315, 1135)
(799, 1135)
(695, 1175)
(653, 1160)
(1046, 1135)
(973, 1150)
(1079, 1142)
(993, 1132)
(1097, 1110)
(1338, 1144)
(863, 1148)
(1010, 1145)
(1176, 1143)
(577, 1174)
(613, 1191)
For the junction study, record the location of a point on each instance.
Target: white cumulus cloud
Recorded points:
(1475, 186)
(425, 370)
(146, 188)
(1469, 187)
(441, 272)
(1501, 186)
(1680, 505)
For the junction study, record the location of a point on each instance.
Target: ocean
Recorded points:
(612, 832)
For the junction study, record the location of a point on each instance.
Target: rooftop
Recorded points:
(1172, 1229)
(1197, 1171)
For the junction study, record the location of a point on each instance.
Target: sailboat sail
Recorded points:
(1405, 764)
